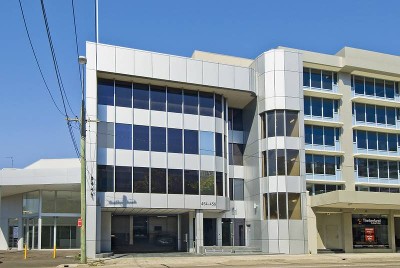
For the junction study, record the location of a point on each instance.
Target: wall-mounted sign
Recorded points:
(369, 234)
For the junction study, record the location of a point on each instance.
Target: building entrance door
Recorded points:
(210, 232)
(31, 233)
(397, 232)
(332, 236)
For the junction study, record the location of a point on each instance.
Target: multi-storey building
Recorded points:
(291, 152)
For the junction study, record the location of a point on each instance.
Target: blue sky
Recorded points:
(31, 128)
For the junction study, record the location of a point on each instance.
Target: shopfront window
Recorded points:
(370, 231)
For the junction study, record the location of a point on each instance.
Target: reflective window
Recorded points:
(238, 189)
(191, 141)
(191, 102)
(369, 86)
(294, 206)
(158, 139)
(360, 112)
(140, 180)
(292, 123)
(237, 151)
(192, 182)
(158, 181)
(123, 136)
(218, 106)
(372, 140)
(206, 143)
(287, 120)
(308, 134)
(327, 80)
(382, 141)
(329, 135)
(359, 84)
(105, 92)
(374, 87)
(309, 164)
(218, 144)
(174, 100)
(123, 179)
(361, 139)
(383, 169)
(236, 119)
(219, 183)
(306, 77)
(207, 182)
(141, 96)
(380, 115)
(393, 170)
(391, 116)
(392, 142)
(319, 164)
(315, 78)
(318, 135)
(280, 157)
(307, 105)
(316, 106)
(362, 167)
(379, 88)
(105, 178)
(123, 94)
(389, 89)
(273, 206)
(175, 141)
(282, 206)
(372, 168)
(206, 103)
(370, 112)
(158, 98)
(271, 162)
(141, 138)
(271, 123)
(105, 135)
(328, 108)
(293, 163)
(280, 126)
(175, 181)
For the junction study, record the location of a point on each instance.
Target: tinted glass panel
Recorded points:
(391, 116)
(123, 179)
(175, 141)
(237, 115)
(219, 183)
(123, 136)
(282, 205)
(140, 138)
(382, 141)
(292, 124)
(306, 77)
(238, 150)
(158, 139)
(273, 206)
(206, 143)
(293, 163)
(362, 167)
(238, 189)
(315, 78)
(191, 142)
(329, 133)
(307, 105)
(389, 88)
(175, 181)
(191, 102)
(294, 206)
(192, 182)
(359, 84)
(319, 164)
(105, 135)
(123, 94)
(318, 135)
(207, 182)
(206, 104)
(141, 96)
(328, 108)
(280, 127)
(158, 98)
(140, 180)
(393, 170)
(380, 115)
(105, 92)
(383, 169)
(392, 142)
(370, 111)
(308, 134)
(105, 178)
(271, 163)
(316, 106)
(174, 100)
(372, 168)
(271, 123)
(218, 144)
(158, 181)
(309, 164)
(379, 88)
(361, 139)
(369, 86)
(218, 106)
(280, 157)
(330, 165)
(326, 80)
(372, 140)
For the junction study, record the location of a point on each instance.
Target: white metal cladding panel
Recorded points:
(123, 115)
(269, 84)
(207, 123)
(178, 69)
(219, 164)
(279, 60)
(123, 157)
(158, 159)
(175, 161)
(176, 201)
(273, 184)
(293, 103)
(221, 202)
(293, 184)
(192, 201)
(296, 230)
(91, 83)
(109, 199)
(105, 156)
(141, 117)
(226, 76)
(207, 162)
(143, 64)
(273, 230)
(297, 246)
(210, 74)
(292, 143)
(192, 161)
(280, 84)
(123, 200)
(292, 61)
(91, 107)
(219, 125)
(268, 59)
(141, 200)
(280, 102)
(158, 118)
(106, 58)
(124, 61)
(91, 56)
(292, 84)
(141, 158)
(175, 120)
(283, 229)
(284, 246)
(281, 184)
(238, 171)
(159, 201)
(160, 66)
(194, 71)
(191, 121)
(242, 78)
(106, 113)
(208, 202)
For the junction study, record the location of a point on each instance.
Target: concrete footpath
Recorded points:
(323, 260)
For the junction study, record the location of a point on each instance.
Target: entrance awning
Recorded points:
(356, 199)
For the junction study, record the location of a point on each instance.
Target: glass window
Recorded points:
(105, 178)
(370, 111)
(141, 96)
(307, 105)
(263, 125)
(140, 180)
(105, 92)
(319, 188)
(48, 202)
(361, 139)
(191, 102)
(264, 164)
(319, 164)
(380, 115)
(218, 106)
(123, 94)
(316, 106)
(175, 181)
(359, 84)
(370, 231)
(327, 80)
(280, 127)
(219, 182)
(379, 88)
(158, 181)
(141, 138)
(123, 136)
(237, 118)
(309, 164)
(292, 124)
(362, 167)
(389, 89)
(191, 141)
(67, 202)
(392, 142)
(207, 182)
(383, 169)
(308, 134)
(158, 98)
(238, 151)
(293, 162)
(280, 157)
(192, 182)
(306, 77)
(105, 135)
(294, 206)
(174, 100)
(271, 123)
(206, 143)
(282, 206)
(372, 140)
(123, 179)
(273, 206)
(206, 103)
(372, 168)
(315, 78)
(218, 144)
(335, 106)
(318, 135)
(158, 139)
(30, 203)
(330, 165)
(393, 170)
(391, 116)
(175, 140)
(329, 133)
(238, 189)
(231, 197)
(271, 163)
(382, 141)
(369, 86)
(360, 112)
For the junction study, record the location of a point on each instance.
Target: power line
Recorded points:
(37, 61)
(76, 40)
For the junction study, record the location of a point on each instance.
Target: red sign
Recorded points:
(369, 234)
(79, 222)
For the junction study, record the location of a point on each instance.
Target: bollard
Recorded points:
(25, 251)
(54, 251)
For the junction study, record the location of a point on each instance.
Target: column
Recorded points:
(20, 234)
(199, 230)
(219, 231)
(347, 232)
(190, 235)
(179, 232)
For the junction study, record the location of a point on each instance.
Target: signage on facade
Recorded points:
(369, 234)
(79, 222)
(370, 221)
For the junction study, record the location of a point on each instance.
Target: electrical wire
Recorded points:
(76, 41)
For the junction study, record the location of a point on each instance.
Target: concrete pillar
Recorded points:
(105, 232)
(20, 234)
(93, 230)
(191, 231)
(347, 232)
(312, 228)
(179, 233)
(199, 230)
(392, 232)
(219, 231)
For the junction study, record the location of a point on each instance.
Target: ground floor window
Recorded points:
(370, 231)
